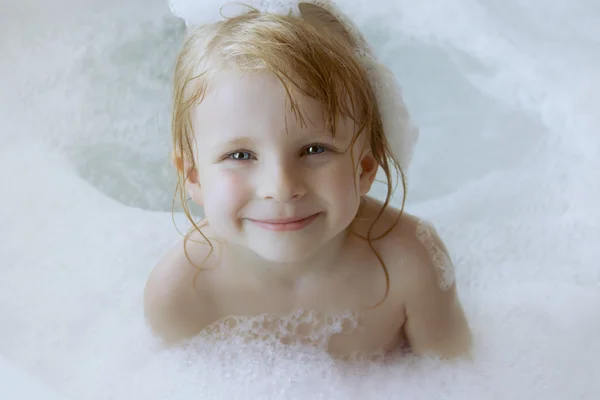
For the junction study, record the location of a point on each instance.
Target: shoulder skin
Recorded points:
(177, 299)
(435, 320)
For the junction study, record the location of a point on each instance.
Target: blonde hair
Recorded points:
(313, 55)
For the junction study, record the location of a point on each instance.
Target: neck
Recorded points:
(322, 261)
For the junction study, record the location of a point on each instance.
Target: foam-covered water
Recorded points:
(508, 169)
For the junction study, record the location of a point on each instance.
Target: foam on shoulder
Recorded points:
(426, 234)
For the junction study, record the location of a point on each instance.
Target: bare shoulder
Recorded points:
(422, 275)
(425, 257)
(178, 302)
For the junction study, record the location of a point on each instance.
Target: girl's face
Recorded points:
(269, 182)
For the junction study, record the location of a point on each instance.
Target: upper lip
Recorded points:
(282, 220)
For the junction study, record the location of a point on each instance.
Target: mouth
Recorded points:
(285, 224)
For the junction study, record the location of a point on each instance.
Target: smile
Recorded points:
(288, 224)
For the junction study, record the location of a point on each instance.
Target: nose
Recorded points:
(282, 182)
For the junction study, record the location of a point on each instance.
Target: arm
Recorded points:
(176, 309)
(435, 321)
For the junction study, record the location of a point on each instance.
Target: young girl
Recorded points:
(281, 120)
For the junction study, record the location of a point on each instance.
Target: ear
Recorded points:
(192, 181)
(367, 172)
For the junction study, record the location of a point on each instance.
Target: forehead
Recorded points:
(247, 104)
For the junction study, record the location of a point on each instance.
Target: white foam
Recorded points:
(15, 384)
(439, 259)
(506, 170)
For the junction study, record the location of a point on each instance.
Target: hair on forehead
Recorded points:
(309, 58)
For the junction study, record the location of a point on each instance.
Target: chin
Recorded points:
(286, 254)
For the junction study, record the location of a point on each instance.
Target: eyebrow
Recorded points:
(243, 141)
(238, 141)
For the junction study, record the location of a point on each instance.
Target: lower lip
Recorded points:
(286, 226)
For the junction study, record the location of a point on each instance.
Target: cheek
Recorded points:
(338, 183)
(343, 178)
(225, 191)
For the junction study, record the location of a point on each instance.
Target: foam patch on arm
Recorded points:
(427, 235)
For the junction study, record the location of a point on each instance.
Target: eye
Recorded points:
(314, 149)
(240, 156)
